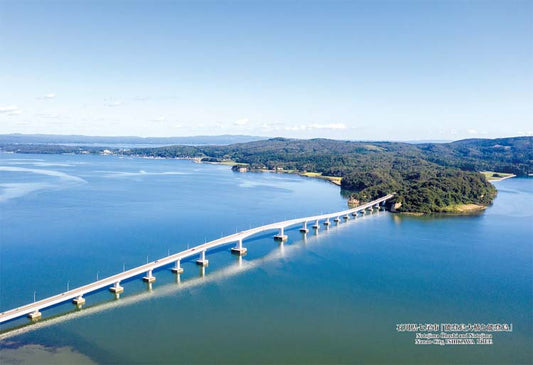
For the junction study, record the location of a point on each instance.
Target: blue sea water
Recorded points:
(329, 298)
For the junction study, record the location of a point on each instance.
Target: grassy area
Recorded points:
(231, 163)
(495, 176)
(334, 179)
(221, 162)
(464, 208)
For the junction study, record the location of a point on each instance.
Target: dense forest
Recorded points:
(429, 177)
(426, 178)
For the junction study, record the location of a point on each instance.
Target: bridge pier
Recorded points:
(337, 220)
(202, 260)
(346, 217)
(239, 250)
(281, 236)
(79, 301)
(327, 222)
(316, 225)
(35, 315)
(304, 228)
(117, 289)
(149, 278)
(354, 214)
(177, 269)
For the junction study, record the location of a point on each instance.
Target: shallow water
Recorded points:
(335, 297)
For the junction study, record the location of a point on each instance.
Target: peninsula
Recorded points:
(426, 178)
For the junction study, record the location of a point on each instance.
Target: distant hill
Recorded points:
(122, 141)
(427, 177)
(513, 155)
(334, 157)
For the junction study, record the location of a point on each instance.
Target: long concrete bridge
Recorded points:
(33, 310)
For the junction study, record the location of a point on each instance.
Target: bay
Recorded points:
(332, 297)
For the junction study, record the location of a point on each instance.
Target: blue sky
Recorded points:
(395, 70)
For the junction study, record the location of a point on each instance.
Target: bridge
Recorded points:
(33, 310)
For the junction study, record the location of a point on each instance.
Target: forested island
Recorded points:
(427, 178)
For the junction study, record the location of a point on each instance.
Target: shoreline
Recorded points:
(505, 178)
(332, 179)
(450, 211)
(456, 210)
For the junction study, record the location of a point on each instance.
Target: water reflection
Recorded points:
(286, 249)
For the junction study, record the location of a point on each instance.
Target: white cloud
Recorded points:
(328, 126)
(10, 110)
(113, 103)
(160, 119)
(242, 121)
(293, 128)
(49, 96)
(302, 127)
(472, 131)
(49, 115)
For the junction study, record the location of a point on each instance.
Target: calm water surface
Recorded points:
(331, 298)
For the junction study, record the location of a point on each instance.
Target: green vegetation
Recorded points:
(508, 155)
(426, 177)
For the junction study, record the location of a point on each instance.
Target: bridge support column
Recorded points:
(177, 269)
(316, 226)
(79, 301)
(202, 260)
(346, 217)
(35, 315)
(149, 278)
(337, 220)
(354, 214)
(304, 228)
(281, 236)
(239, 250)
(327, 222)
(117, 289)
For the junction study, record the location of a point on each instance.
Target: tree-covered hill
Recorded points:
(427, 177)
(512, 155)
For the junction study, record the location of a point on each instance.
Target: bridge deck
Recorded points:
(109, 281)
